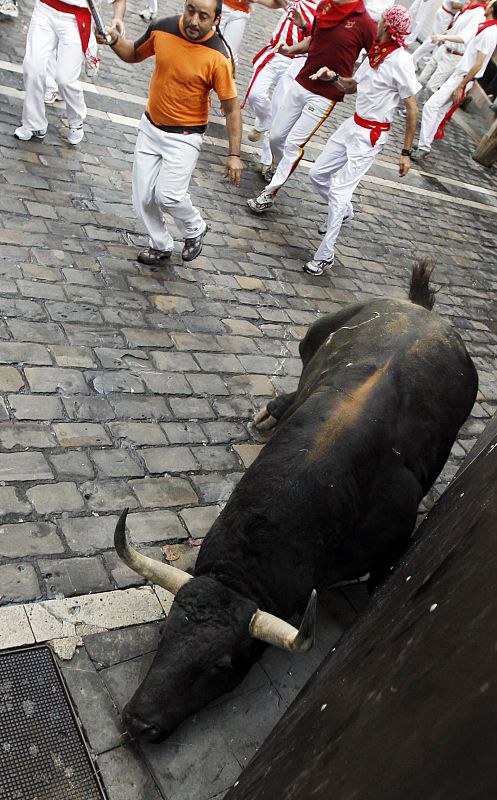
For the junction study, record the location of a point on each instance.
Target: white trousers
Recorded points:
(49, 32)
(51, 83)
(232, 26)
(438, 69)
(262, 89)
(346, 158)
(435, 110)
(417, 10)
(162, 170)
(300, 114)
(440, 24)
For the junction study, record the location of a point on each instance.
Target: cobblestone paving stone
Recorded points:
(126, 385)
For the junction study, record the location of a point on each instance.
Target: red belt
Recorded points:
(376, 128)
(83, 18)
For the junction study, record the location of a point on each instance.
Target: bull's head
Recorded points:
(207, 643)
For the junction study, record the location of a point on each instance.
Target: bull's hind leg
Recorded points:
(268, 416)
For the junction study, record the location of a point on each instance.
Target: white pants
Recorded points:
(417, 10)
(346, 158)
(51, 83)
(435, 110)
(52, 31)
(300, 115)
(438, 69)
(162, 170)
(232, 26)
(440, 24)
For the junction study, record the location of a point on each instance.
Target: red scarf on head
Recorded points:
(329, 13)
(379, 51)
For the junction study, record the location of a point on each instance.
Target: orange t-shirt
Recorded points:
(238, 5)
(184, 74)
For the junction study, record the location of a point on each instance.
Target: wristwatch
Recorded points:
(405, 152)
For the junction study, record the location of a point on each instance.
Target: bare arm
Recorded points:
(119, 9)
(123, 47)
(411, 121)
(440, 38)
(271, 3)
(294, 49)
(458, 92)
(233, 115)
(347, 85)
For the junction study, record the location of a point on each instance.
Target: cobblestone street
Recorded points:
(125, 385)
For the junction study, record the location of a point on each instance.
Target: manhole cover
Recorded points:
(43, 755)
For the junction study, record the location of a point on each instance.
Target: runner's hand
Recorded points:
(323, 74)
(458, 94)
(233, 170)
(296, 17)
(118, 25)
(282, 49)
(404, 165)
(112, 32)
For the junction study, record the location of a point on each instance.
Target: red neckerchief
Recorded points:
(379, 51)
(329, 13)
(487, 24)
(468, 8)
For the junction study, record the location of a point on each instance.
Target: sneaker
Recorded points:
(420, 154)
(25, 134)
(147, 14)
(9, 9)
(255, 135)
(75, 135)
(92, 64)
(51, 97)
(267, 173)
(193, 246)
(315, 267)
(258, 205)
(152, 256)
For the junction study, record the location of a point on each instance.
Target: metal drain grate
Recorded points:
(43, 755)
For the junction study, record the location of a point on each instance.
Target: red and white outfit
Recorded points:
(441, 102)
(54, 28)
(352, 149)
(448, 55)
(443, 20)
(234, 18)
(339, 34)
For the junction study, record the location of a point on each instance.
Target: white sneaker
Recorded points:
(92, 64)
(255, 135)
(258, 205)
(147, 14)
(9, 9)
(315, 267)
(75, 135)
(51, 97)
(25, 134)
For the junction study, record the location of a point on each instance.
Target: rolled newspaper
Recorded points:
(97, 19)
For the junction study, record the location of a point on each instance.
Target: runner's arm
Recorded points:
(440, 38)
(233, 116)
(294, 49)
(411, 121)
(270, 3)
(122, 47)
(347, 85)
(118, 9)
(458, 92)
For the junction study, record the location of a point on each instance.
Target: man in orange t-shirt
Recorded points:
(191, 59)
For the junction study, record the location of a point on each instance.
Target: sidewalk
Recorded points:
(124, 385)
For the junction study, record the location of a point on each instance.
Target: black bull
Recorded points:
(333, 496)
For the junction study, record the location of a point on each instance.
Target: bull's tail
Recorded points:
(419, 290)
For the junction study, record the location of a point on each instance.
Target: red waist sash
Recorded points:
(82, 15)
(376, 128)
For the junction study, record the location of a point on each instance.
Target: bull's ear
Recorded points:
(273, 630)
(163, 575)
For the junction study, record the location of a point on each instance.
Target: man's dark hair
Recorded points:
(494, 10)
(217, 13)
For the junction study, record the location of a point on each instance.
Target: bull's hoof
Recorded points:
(264, 421)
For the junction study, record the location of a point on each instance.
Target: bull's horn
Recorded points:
(276, 631)
(168, 577)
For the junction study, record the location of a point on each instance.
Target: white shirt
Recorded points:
(465, 25)
(485, 42)
(375, 8)
(380, 90)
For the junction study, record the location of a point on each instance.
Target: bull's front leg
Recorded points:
(270, 415)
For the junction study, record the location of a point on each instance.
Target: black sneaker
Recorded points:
(151, 256)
